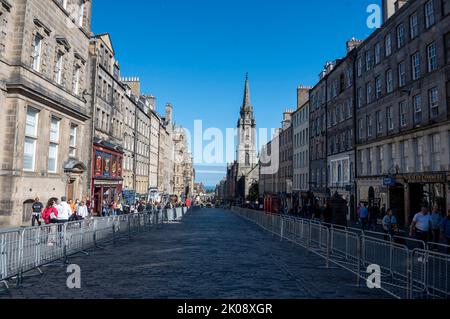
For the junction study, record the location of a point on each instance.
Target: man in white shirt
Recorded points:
(82, 211)
(64, 211)
(421, 225)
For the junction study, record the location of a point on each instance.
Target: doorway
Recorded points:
(70, 189)
(27, 211)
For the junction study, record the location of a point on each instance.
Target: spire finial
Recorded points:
(246, 76)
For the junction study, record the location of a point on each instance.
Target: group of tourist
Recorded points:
(62, 211)
(426, 226)
(58, 211)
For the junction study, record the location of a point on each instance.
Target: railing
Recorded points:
(409, 268)
(22, 251)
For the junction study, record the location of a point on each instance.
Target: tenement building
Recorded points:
(403, 120)
(269, 173)
(318, 137)
(166, 152)
(128, 145)
(142, 146)
(155, 121)
(300, 142)
(45, 119)
(183, 168)
(340, 132)
(285, 179)
(108, 105)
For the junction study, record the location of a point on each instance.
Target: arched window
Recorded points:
(247, 159)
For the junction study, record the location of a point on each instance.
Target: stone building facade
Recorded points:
(108, 105)
(142, 154)
(166, 153)
(183, 167)
(285, 172)
(318, 137)
(155, 121)
(402, 115)
(45, 119)
(300, 145)
(340, 128)
(128, 141)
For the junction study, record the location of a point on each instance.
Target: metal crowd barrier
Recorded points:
(22, 251)
(409, 268)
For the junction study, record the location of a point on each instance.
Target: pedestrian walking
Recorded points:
(50, 213)
(113, 208)
(72, 205)
(119, 208)
(364, 216)
(389, 223)
(82, 211)
(64, 211)
(50, 216)
(105, 208)
(421, 225)
(328, 214)
(436, 220)
(445, 230)
(37, 209)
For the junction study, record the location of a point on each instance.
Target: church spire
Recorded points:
(246, 105)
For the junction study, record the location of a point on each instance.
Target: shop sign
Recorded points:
(107, 183)
(107, 165)
(426, 178)
(389, 181)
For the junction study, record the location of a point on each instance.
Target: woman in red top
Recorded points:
(48, 212)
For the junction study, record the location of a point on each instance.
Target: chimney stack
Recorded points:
(302, 95)
(134, 83)
(390, 7)
(352, 44)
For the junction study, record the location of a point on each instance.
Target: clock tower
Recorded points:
(246, 155)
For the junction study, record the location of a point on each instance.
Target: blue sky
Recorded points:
(195, 53)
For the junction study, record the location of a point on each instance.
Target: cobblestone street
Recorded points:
(211, 254)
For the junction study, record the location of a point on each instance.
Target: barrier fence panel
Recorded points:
(30, 248)
(52, 241)
(438, 247)
(393, 260)
(430, 274)
(10, 253)
(345, 249)
(408, 269)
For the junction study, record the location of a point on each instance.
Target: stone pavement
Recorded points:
(212, 254)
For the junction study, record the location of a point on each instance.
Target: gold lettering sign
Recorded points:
(426, 178)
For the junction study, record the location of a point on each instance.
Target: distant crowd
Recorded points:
(426, 226)
(63, 211)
